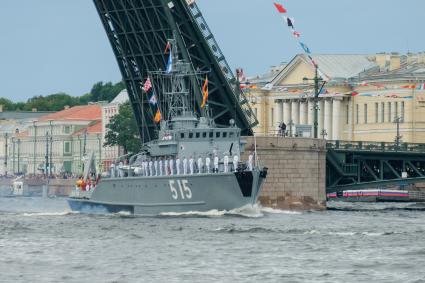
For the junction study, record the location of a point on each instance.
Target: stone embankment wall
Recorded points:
(296, 177)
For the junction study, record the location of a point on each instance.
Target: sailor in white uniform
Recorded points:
(200, 164)
(185, 166)
(166, 167)
(208, 164)
(215, 164)
(150, 168)
(145, 168)
(112, 168)
(160, 167)
(226, 164)
(235, 163)
(250, 162)
(178, 166)
(155, 165)
(191, 165)
(171, 161)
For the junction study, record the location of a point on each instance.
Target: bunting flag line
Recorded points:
(169, 68)
(297, 35)
(409, 86)
(147, 85)
(157, 117)
(280, 8)
(205, 93)
(421, 86)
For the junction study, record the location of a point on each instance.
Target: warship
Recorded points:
(192, 165)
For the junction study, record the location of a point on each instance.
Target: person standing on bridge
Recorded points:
(185, 166)
(178, 165)
(215, 164)
(191, 165)
(208, 164)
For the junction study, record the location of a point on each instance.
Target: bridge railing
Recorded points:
(375, 146)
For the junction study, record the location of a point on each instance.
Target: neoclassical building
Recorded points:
(362, 98)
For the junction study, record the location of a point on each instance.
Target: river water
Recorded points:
(42, 241)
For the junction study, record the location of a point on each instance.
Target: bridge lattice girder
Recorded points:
(355, 169)
(138, 31)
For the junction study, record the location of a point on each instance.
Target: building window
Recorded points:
(225, 135)
(198, 135)
(67, 129)
(376, 112)
(217, 134)
(66, 147)
(204, 135)
(190, 135)
(365, 113)
(383, 112)
(357, 113)
(182, 135)
(347, 110)
(389, 112)
(402, 112)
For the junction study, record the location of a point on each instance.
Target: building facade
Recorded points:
(361, 97)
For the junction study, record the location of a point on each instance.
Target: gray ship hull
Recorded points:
(183, 193)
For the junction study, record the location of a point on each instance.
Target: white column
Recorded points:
(278, 112)
(286, 112)
(336, 118)
(303, 113)
(295, 116)
(328, 118)
(310, 111)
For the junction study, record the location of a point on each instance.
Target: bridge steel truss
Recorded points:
(373, 167)
(138, 31)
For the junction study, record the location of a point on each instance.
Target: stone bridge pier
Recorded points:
(296, 177)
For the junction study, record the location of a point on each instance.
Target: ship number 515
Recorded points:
(181, 191)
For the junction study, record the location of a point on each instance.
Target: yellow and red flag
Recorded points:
(205, 93)
(157, 117)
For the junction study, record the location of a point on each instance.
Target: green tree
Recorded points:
(123, 130)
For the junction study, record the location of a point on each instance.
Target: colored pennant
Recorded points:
(157, 117)
(280, 8)
(409, 86)
(305, 47)
(205, 93)
(147, 85)
(167, 47)
(169, 68)
(421, 86)
(153, 101)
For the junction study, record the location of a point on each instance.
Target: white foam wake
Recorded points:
(63, 213)
(278, 211)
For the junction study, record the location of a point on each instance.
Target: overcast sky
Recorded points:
(49, 46)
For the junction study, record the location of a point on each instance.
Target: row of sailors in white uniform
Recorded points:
(166, 167)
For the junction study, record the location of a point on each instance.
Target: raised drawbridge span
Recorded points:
(138, 31)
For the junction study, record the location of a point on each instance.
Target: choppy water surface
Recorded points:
(41, 241)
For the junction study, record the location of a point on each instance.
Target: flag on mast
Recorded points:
(169, 68)
(157, 117)
(205, 93)
(147, 85)
(167, 47)
(153, 99)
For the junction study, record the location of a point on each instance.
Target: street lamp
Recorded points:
(317, 91)
(19, 156)
(35, 146)
(398, 137)
(51, 147)
(99, 138)
(5, 154)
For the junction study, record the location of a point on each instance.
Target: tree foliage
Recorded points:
(56, 102)
(122, 130)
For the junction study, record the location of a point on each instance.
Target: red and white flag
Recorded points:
(296, 34)
(147, 86)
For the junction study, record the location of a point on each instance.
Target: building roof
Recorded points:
(342, 66)
(121, 98)
(94, 128)
(20, 115)
(86, 112)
